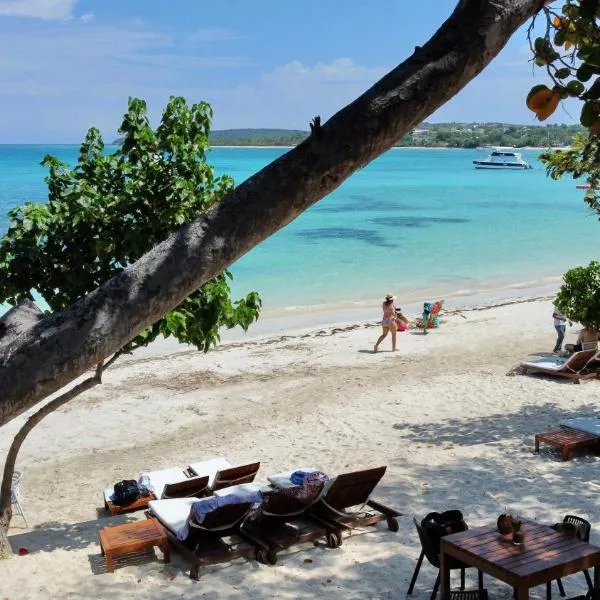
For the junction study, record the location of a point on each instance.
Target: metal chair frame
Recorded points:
(15, 494)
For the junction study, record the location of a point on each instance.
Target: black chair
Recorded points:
(429, 551)
(582, 529)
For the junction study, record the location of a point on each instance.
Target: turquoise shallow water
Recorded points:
(415, 222)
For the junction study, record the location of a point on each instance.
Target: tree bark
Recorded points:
(11, 457)
(64, 345)
(17, 320)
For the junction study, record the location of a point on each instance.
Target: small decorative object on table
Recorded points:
(505, 523)
(517, 532)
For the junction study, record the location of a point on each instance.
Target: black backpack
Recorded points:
(437, 525)
(126, 492)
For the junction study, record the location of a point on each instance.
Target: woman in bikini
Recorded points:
(388, 322)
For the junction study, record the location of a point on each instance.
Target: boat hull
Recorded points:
(500, 166)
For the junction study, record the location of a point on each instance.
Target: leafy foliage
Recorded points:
(108, 210)
(569, 50)
(579, 296)
(570, 53)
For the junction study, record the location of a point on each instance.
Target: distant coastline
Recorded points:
(426, 135)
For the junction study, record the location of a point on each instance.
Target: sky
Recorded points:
(67, 65)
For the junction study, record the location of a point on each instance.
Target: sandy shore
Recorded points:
(454, 430)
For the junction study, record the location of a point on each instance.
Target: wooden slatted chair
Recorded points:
(580, 365)
(347, 504)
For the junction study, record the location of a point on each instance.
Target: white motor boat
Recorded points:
(502, 158)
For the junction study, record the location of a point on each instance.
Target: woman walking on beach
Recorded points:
(388, 322)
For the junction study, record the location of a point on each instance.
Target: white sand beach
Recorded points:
(454, 430)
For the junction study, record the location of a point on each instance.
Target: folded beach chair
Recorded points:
(580, 365)
(346, 503)
(227, 479)
(282, 520)
(216, 539)
(582, 432)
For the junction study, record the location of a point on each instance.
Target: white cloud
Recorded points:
(87, 18)
(49, 10)
(290, 95)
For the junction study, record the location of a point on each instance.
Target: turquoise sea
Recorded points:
(419, 223)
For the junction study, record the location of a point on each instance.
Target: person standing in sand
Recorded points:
(388, 322)
(560, 324)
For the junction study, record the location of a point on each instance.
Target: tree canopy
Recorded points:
(107, 211)
(579, 295)
(569, 51)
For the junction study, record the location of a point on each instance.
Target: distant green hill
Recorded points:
(257, 137)
(431, 135)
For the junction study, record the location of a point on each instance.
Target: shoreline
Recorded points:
(294, 323)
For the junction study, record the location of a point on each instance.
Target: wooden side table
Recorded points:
(132, 537)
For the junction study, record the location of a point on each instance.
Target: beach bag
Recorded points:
(126, 492)
(437, 525)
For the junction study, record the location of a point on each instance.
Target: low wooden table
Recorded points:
(567, 439)
(132, 537)
(545, 556)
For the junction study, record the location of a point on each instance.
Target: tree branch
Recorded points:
(64, 345)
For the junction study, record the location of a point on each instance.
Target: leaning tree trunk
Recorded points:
(11, 457)
(62, 346)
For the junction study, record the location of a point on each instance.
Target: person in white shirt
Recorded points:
(560, 324)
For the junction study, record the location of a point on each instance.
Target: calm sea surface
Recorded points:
(415, 222)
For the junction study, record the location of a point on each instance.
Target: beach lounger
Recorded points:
(217, 539)
(282, 520)
(346, 503)
(580, 365)
(582, 432)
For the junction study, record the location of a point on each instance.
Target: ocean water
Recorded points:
(418, 223)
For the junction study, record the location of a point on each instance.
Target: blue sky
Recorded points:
(67, 65)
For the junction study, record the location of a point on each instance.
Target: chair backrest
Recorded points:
(287, 503)
(235, 476)
(579, 360)
(222, 519)
(583, 526)
(427, 545)
(195, 486)
(353, 489)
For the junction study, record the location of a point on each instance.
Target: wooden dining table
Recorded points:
(544, 556)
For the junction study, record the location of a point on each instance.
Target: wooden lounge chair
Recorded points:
(580, 365)
(352, 490)
(193, 487)
(282, 520)
(217, 539)
(227, 476)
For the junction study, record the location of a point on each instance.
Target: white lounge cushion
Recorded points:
(210, 467)
(244, 488)
(172, 513)
(158, 479)
(284, 480)
(551, 363)
(589, 425)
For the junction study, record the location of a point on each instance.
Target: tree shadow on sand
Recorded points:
(466, 431)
